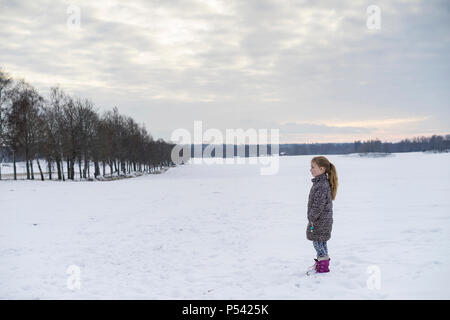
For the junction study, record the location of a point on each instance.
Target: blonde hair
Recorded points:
(330, 169)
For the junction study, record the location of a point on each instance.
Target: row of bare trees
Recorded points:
(67, 132)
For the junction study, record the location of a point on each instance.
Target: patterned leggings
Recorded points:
(321, 248)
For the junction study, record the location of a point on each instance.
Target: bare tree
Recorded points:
(21, 123)
(66, 128)
(5, 82)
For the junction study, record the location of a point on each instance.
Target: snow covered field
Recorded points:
(227, 232)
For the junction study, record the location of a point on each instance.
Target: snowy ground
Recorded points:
(227, 232)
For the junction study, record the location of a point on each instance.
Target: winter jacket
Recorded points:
(320, 210)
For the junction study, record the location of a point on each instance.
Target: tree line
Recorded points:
(68, 132)
(417, 144)
(436, 143)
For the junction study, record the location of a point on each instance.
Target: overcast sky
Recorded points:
(313, 69)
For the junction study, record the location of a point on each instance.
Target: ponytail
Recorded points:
(332, 177)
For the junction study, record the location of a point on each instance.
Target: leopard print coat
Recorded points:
(320, 210)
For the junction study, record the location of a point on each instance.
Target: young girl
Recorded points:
(320, 209)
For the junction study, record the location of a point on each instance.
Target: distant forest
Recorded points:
(67, 131)
(417, 144)
(435, 143)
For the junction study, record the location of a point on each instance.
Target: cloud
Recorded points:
(224, 61)
(321, 128)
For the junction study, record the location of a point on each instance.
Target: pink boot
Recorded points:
(322, 264)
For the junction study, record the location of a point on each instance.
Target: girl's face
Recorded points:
(315, 170)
